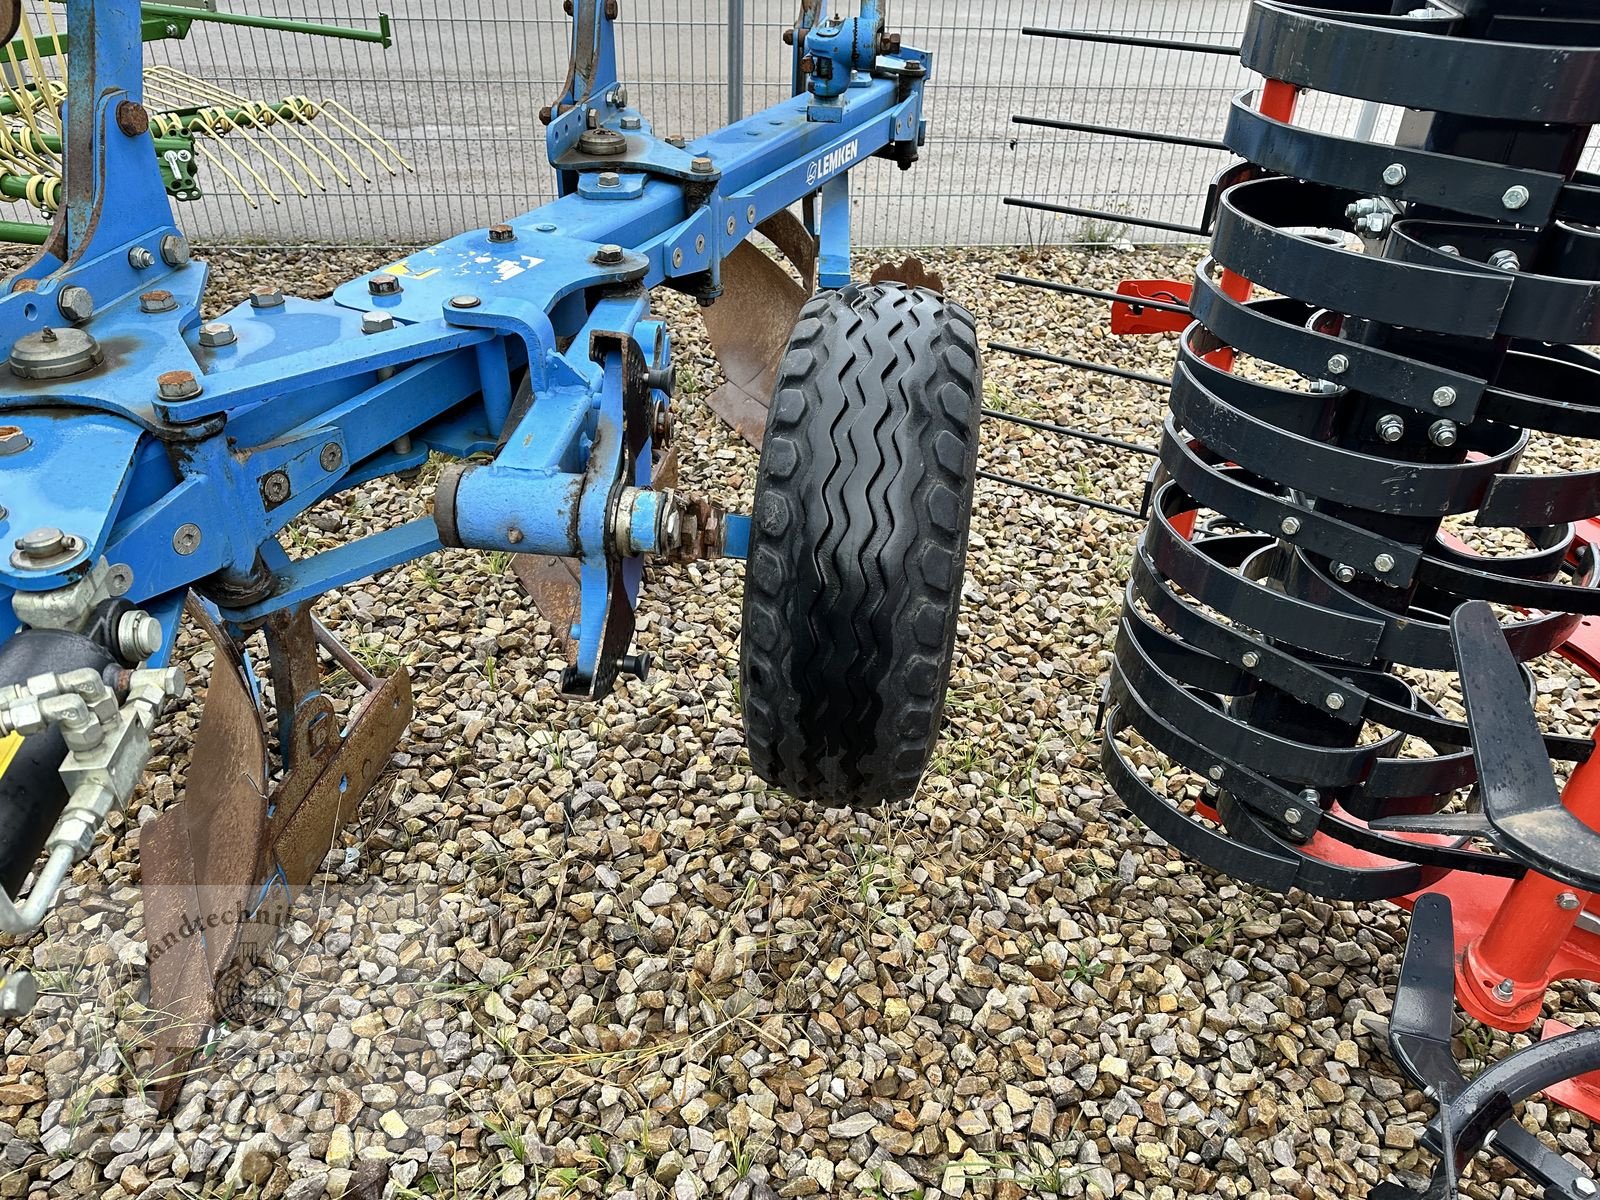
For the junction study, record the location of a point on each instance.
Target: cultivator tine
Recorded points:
(750, 323)
(1141, 135)
(1100, 214)
(1128, 39)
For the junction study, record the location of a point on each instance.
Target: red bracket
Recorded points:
(1137, 319)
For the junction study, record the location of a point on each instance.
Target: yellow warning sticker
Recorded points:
(9, 745)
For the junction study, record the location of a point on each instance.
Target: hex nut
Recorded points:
(214, 334)
(376, 322)
(177, 385)
(266, 296)
(158, 301)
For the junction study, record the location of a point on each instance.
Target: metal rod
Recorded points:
(341, 655)
(180, 12)
(1124, 39)
(1040, 490)
(24, 233)
(1143, 135)
(1066, 431)
(1100, 214)
(1072, 289)
(735, 61)
(1101, 368)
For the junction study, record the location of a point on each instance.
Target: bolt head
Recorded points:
(186, 538)
(608, 255)
(266, 296)
(1252, 659)
(141, 259)
(138, 635)
(1335, 701)
(376, 322)
(1383, 564)
(703, 165)
(609, 179)
(1391, 428)
(632, 124)
(1344, 572)
(275, 487)
(465, 302)
(1338, 365)
(158, 301)
(1293, 816)
(1516, 197)
(1584, 1186)
(1568, 901)
(177, 385)
(332, 456)
(1394, 174)
(1505, 260)
(46, 542)
(384, 285)
(1444, 397)
(217, 333)
(1290, 526)
(502, 233)
(1505, 989)
(1443, 433)
(1215, 774)
(76, 303)
(175, 250)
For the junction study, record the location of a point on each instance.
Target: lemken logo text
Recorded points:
(834, 160)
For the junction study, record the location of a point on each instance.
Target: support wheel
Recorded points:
(859, 542)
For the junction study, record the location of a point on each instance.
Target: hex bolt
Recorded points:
(384, 285)
(1452, 251)
(332, 457)
(76, 303)
(1444, 397)
(1383, 564)
(275, 487)
(1335, 701)
(1290, 526)
(1584, 1186)
(1215, 774)
(177, 385)
(1344, 572)
(632, 124)
(376, 322)
(608, 255)
(1375, 224)
(141, 259)
(1505, 990)
(266, 296)
(703, 165)
(1567, 901)
(1505, 260)
(1394, 174)
(465, 302)
(186, 538)
(1311, 796)
(138, 635)
(1293, 816)
(1251, 659)
(13, 440)
(175, 250)
(214, 334)
(158, 301)
(42, 544)
(609, 179)
(1391, 427)
(500, 234)
(1338, 365)
(1442, 433)
(1515, 197)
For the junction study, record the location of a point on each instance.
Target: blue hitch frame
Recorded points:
(526, 352)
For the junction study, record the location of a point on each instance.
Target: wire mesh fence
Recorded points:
(459, 95)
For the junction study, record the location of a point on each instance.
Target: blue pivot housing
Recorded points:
(177, 452)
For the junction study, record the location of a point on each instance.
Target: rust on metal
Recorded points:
(133, 118)
(552, 585)
(913, 272)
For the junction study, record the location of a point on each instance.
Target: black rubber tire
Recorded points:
(858, 543)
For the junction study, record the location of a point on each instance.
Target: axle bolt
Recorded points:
(1442, 433)
(1383, 564)
(177, 385)
(1394, 174)
(1290, 526)
(1505, 260)
(703, 165)
(1391, 428)
(138, 635)
(1338, 365)
(1567, 901)
(214, 334)
(1344, 572)
(1505, 990)
(42, 544)
(1515, 197)
(175, 250)
(384, 285)
(1444, 397)
(141, 259)
(157, 302)
(1252, 659)
(502, 233)
(75, 303)
(1334, 701)
(608, 255)
(376, 322)
(266, 296)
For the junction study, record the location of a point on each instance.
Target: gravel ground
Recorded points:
(580, 950)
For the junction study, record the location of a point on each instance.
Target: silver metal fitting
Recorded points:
(1567, 901)
(1505, 990)
(1375, 224)
(177, 385)
(1515, 197)
(186, 538)
(76, 303)
(175, 250)
(702, 165)
(609, 179)
(158, 301)
(1444, 397)
(1383, 564)
(1442, 433)
(1215, 774)
(1251, 659)
(1290, 526)
(1391, 427)
(1338, 365)
(465, 301)
(266, 296)
(376, 322)
(215, 334)
(141, 259)
(138, 635)
(1394, 174)
(632, 124)
(1505, 260)
(1334, 701)
(608, 255)
(1344, 572)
